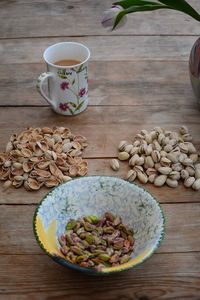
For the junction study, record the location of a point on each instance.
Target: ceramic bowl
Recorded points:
(96, 195)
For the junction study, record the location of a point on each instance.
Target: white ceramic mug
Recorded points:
(67, 85)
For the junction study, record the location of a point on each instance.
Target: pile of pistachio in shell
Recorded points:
(161, 157)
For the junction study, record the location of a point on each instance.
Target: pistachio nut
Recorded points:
(165, 162)
(173, 157)
(142, 177)
(172, 183)
(155, 156)
(184, 174)
(174, 175)
(123, 155)
(196, 184)
(122, 145)
(131, 176)
(152, 178)
(183, 148)
(164, 170)
(183, 129)
(163, 153)
(128, 148)
(114, 163)
(194, 157)
(149, 162)
(189, 182)
(197, 173)
(191, 170)
(187, 137)
(160, 180)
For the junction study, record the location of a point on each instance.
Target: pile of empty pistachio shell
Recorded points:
(97, 243)
(42, 156)
(161, 157)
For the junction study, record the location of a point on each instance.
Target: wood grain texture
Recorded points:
(17, 232)
(102, 167)
(70, 18)
(111, 83)
(37, 277)
(107, 48)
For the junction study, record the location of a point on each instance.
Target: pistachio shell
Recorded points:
(168, 148)
(187, 137)
(131, 176)
(194, 157)
(164, 170)
(128, 148)
(155, 156)
(184, 174)
(123, 155)
(27, 166)
(66, 178)
(43, 173)
(17, 165)
(196, 184)
(172, 183)
(73, 170)
(189, 181)
(191, 170)
(114, 163)
(183, 148)
(149, 162)
(51, 183)
(182, 157)
(177, 167)
(142, 177)
(43, 165)
(43, 145)
(160, 180)
(26, 153)
(7, 163)
(66, 147)
(122, 145)
(187, 162)
(174, 175)
(9, 147)
(81, 171)
(33, 184)
(151, 171)
(7, 184)
(197, 173)
(183, 129)
(152, 178)
(163, 154)
(173, 157)
(165, 162)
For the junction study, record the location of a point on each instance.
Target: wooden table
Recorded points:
(138, 80)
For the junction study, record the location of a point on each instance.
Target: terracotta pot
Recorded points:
(194, 67)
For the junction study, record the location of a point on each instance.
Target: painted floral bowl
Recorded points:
(94, 195)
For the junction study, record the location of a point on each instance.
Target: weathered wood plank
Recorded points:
(111, 83)
(182, 233)
(107, 48)
(164, 276)
(102, 167)
(56, 18)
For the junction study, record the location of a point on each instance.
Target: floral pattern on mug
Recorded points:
(64, 106)
(64, 85)
(82, 92)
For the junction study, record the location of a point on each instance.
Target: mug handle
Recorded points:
(40, 82)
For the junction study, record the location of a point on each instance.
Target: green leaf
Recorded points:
(80, 69)
(182, 6)
(72, 104)
(147, 7)
(73, 81)
(71, 111)
(128, 3)
(79, 106)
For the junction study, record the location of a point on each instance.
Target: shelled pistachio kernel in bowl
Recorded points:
(93, 195)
